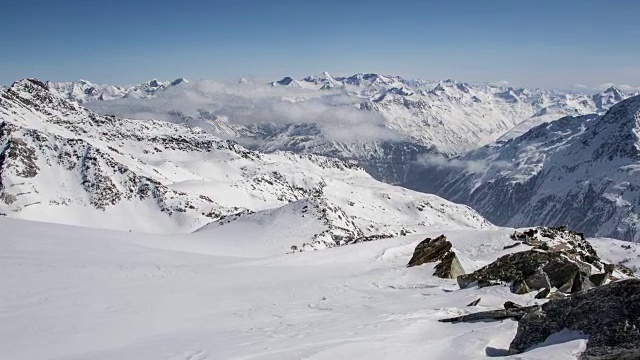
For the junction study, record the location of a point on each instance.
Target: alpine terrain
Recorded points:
(62, 163)
(581, 171)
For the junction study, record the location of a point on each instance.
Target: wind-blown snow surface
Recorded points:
(579, 171)
(62, 163)
(79, 293)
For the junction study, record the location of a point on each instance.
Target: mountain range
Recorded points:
(518, 156)
(63, 163)
(582, 171)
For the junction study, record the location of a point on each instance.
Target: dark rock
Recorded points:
(599, 279)
(581, 283)
(538, 280)
(511, 305)
(449, 267)
(486, 283)
(609, 315)
(493, 315)
(438, 249)
(430, 250)
(543, 293)
(561, 274)
(526, 271)
(520, 287)
(511, 246)
(474, 302)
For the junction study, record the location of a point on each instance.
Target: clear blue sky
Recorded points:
(534, 43)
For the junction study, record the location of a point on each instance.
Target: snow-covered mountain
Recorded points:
(581, 171)
(61, 162)
(455, 116)
(84, 91)
(383, 122)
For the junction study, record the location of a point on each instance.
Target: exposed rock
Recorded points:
(560, 259)
(438, 249)
(511, 313)
(474, 302)
(609, 315)
(543, 293)
(511, 305)
(449, 267)
(599, 279)
(511, 246)
(527, 270)
(430, 250)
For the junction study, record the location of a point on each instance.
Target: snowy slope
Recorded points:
(580, 171)
(79, 293)
(62, 163)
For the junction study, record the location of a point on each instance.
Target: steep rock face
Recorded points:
(577, 171)
(60, 162)
(609, 315)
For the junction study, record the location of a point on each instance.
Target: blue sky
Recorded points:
(530, 43)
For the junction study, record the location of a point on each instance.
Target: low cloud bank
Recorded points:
(472, 166)
(336, 114)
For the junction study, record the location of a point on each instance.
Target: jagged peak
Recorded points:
(286, 81)
(28, 83)
(154, 83)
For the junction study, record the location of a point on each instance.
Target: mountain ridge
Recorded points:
(60, 162)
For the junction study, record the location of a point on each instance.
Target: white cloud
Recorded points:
(499, 83)
(472, 166)
(335, 113)
(623, 87)
(581, 86)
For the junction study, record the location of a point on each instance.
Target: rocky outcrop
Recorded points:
(439, 249)
(510, 311)
(559, 258)
(609, 315)
(449, 267)
(430, 250)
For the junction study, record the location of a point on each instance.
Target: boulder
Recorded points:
(430, 250)
(438, 249)
(609, 315)
(449, 267)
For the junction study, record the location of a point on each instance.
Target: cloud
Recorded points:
(472, 166)
(336, 114)
(623, 87)
(581, 86)
(499, 83)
